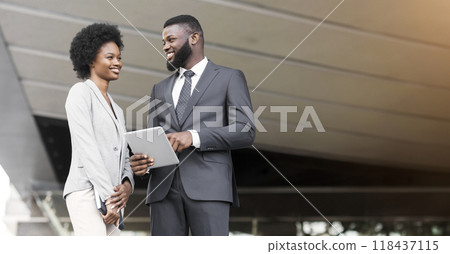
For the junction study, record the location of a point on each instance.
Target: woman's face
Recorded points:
(107, 63)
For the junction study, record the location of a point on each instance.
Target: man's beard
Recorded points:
(179, 59)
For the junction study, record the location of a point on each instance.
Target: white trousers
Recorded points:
(86, 219)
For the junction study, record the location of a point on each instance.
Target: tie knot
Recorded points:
(188, 74)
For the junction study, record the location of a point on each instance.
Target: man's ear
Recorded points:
(194, 38)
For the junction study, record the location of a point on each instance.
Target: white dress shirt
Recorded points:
(179, 82)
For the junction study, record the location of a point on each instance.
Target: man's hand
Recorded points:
(180, 140)
(140, 163)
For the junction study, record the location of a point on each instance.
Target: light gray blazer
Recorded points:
(99, 151)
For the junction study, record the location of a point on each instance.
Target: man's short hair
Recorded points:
(191, 22)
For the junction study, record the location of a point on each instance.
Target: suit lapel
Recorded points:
(120, 124)
(205, 80)
(102, 100)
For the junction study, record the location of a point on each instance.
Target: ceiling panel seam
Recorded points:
(257, 54)
(65, 57)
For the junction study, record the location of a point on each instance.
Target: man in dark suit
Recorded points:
(210, 114)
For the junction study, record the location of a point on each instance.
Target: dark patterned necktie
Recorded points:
(185, 94)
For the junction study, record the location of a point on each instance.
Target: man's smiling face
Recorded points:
(176, 46)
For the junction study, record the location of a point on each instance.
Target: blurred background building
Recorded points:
(374, 72)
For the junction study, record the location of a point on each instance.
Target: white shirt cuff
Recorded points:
(195, 138)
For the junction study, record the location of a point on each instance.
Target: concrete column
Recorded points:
(22, 152)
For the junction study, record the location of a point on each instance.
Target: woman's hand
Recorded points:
(121, 195)
(112, 214)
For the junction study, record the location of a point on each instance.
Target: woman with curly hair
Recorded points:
(100, 173)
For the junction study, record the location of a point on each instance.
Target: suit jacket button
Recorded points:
(115, 148)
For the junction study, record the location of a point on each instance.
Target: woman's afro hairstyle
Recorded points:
(86, 44)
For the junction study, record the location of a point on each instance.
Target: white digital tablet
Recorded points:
(154, 143)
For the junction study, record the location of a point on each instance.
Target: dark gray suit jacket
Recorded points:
(207, 174)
